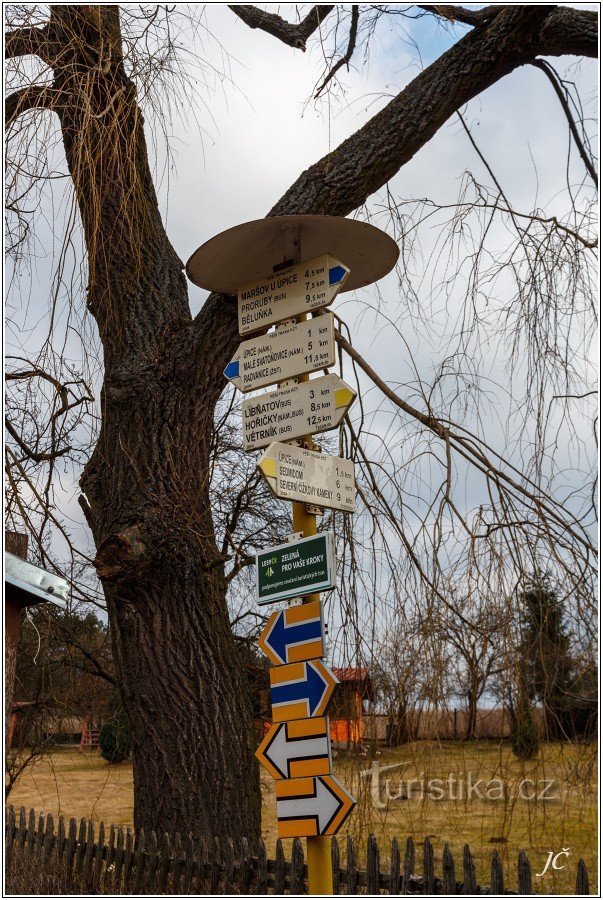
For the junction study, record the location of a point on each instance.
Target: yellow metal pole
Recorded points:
(320, 870)
(318, 849)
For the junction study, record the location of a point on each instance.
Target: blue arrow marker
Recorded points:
(232, 369)
(336, 274)
(312, 689)
(283, 636)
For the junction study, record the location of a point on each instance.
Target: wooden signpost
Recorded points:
(296, 750)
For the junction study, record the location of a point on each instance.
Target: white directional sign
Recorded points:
(287, 353)
(307, 408)
(294, 473)
(301, 288)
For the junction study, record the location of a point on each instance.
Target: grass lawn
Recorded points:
(495, 816)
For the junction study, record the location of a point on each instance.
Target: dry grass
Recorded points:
(77, 784)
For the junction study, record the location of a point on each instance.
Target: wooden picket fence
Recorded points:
(85, 859)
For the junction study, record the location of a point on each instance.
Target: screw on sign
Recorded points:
(307, 807)
(297, 749)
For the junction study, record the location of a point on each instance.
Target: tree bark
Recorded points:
(146, 490)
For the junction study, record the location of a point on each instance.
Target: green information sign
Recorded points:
(291, 570)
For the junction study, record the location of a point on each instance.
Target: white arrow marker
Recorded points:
(307, 408)
(307, 286)
(297, 749)
(297, 350)
(311, 806)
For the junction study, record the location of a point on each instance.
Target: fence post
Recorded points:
(351, 866)
(138, 863)
(409, 864)
(448, 874)
(189, 866)
(262, 878)
(119, 860)
(81, 849)
(151, 865)
(497, 881)
(98, 858)
(582, 883)
(372, 865)
(428, 868)
(11, 831)
(70, 851)
(394, 867)
(165, 858)
(88, 857)
(469, 879)
(178, 861)
(280, 866)
(297, 867)
(524, 873)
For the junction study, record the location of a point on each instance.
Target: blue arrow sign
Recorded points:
(300, 690)
(232, 369)
(337, 274)
(294, 634)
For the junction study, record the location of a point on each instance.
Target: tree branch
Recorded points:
(552, 76)
(295, 35)
(569, 31)
(341, 181)
(345, 59)
(34, 96)
(27, 41)
(475, 17)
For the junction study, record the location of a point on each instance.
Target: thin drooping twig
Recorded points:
(466, 447)
(345, 59)
(553, 77)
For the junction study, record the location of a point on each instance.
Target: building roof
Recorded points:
(351, 673)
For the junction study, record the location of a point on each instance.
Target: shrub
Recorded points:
(115, 739)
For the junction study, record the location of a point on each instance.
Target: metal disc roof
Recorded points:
(251, 250)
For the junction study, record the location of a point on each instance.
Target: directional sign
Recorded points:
(300, 690)
(286, 353)
(307, 807)
(294, 635)
(307, 408)
(292, 570)
(294, 473)
(301, 288)
(297, 749)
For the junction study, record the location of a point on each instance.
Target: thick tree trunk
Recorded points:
(146, 486)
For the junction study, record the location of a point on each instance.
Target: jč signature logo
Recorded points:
(552, 861)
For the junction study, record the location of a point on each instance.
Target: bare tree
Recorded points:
(83, 75)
